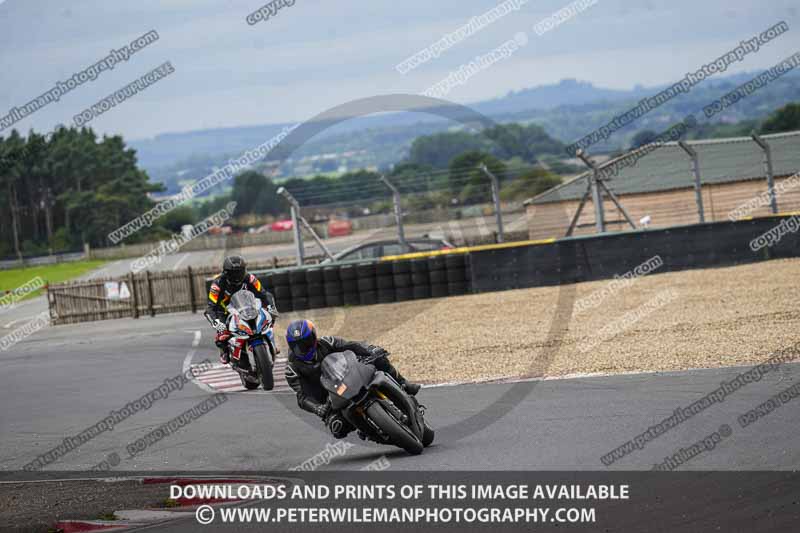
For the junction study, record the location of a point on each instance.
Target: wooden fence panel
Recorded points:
(84, 301)
(145, 294)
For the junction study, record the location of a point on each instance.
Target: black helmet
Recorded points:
(234, 269)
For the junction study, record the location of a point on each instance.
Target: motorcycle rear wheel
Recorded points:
(264, 362)
(398, 434)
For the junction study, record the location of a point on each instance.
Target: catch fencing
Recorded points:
(675, 183)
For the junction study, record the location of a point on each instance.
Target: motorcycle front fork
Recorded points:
(356, 417)
(246, 351)
(238, 352)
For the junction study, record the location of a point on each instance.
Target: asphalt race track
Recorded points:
(66, 378)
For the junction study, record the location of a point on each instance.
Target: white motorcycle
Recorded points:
(252, 340)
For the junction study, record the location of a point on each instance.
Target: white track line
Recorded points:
(187, 361)
(9, 324)
(179, 261)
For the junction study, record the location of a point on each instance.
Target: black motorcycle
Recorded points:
(375, 403)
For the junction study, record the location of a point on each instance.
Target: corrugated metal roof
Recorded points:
(669, 167)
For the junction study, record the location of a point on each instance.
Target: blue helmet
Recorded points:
(301, 336)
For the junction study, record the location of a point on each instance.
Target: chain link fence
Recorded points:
(675, 183)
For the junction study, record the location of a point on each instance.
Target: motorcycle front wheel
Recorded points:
(398, 434)
(427, 435)
(264, 362)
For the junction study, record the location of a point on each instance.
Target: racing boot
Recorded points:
(384, 365)
(411, 388)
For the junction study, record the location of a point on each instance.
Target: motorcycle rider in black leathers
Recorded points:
(303, 371)
(234, 278)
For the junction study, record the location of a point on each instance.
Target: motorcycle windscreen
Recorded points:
(344, 375)
(246, 303)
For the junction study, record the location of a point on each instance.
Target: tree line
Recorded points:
(66, 188)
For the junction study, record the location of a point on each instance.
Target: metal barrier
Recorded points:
(604, 256)
(42, 260)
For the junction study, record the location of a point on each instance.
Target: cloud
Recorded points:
(318, 54)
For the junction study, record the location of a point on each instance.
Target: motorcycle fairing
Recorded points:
(344, 368)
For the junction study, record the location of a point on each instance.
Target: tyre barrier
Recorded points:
(332, 287)
(549, 262)
(368, 283)
(519, 265)
(456, 274)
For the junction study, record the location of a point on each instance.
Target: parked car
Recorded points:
(378, 249)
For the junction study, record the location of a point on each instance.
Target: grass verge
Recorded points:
(16, 277)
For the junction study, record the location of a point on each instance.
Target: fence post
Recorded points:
(151, 308)
(134, 295)
(192, 298)
(51, 301)
(298, 236)
(773, 202)
(698, 186)
(398, 212)
(597, 195)
(498, 213)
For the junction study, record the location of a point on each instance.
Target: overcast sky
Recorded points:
(317, 54)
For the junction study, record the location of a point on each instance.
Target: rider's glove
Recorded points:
(272, 310)
(219, 326)
(221, 339)
(322, 410)
(376, 352)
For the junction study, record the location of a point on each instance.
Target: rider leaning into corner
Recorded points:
(234, 278)
(304, 370)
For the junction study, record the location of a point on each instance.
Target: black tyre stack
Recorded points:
(280, 290)
(332, 287)
(315, 288)
(268, 282)
(367, 284)
(349, 279)
(298, 289)
(420, 280)
(437, 272)
(457, 267)
(403, 286)
(384, 282)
